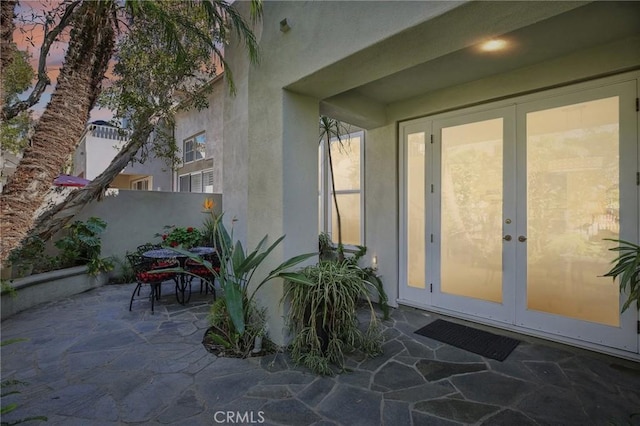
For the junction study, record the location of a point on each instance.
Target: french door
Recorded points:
(507, 212)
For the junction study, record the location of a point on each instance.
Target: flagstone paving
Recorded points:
(89, 361)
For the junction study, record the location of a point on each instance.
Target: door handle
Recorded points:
(507, 237)
(522, 238)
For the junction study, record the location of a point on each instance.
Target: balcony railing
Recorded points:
(108, 132)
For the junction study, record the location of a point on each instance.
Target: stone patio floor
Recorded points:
(89, 361)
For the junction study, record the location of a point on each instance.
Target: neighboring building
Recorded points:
(99, 145)
(198, 134)
(500, 147)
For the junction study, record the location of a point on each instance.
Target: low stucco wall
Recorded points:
(134, 217)
(49, 286)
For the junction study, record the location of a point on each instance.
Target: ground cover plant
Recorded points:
(81, 245)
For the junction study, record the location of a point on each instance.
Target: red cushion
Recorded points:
(148, 277)
(202, 270)
(161, 265)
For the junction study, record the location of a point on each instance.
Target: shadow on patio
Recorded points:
(88, 360)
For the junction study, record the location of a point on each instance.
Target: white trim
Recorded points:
(201, 173)
(325, 194)
(501, 311)
(193, 139)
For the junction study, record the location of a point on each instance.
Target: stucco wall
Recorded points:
(270, 126)
(134, 217)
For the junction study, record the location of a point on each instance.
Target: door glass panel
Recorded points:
(471, 212)
(572, 204)
(415, 210)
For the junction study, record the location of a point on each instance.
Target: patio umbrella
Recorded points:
(67, 180)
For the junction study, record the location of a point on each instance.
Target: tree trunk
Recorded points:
(62, 123)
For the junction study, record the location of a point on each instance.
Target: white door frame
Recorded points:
(569, 330)
(622, 337)
(502, 312)
(410, 295)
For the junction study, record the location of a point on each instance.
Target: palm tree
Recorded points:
(95, 25)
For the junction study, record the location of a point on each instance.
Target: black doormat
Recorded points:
(480, 342)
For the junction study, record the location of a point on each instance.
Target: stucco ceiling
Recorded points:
(445, 52)
(597, 23)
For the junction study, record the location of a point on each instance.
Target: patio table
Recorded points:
(182, 283)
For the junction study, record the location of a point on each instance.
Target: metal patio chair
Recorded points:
(142, 268)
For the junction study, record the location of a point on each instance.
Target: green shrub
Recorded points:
(627, 269)
(82, 246)
(235, 317)
(185, 237)
(30, 256)
(322, 316)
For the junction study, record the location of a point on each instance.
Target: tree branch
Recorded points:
(10, 111)
(51, 221)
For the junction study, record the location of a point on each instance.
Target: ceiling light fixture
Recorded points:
(493, 45)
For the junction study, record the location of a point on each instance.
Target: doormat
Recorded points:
(479, 342)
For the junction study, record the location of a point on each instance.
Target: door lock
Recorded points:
(507, 238)
(522, 238)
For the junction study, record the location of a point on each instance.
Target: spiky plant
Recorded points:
(627, 268)
(322, 317)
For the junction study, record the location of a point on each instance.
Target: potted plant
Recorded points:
(322, 316)
(627, 268)
(233, 317)
(185, 237)
(328, 252)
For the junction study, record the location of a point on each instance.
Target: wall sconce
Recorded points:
(374, 263)
(284, 25)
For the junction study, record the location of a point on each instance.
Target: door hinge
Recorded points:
(431, 237)
(432, 135)
(432, 188)
(638, 327)
(638, 178)
(637, 108)
(431, 288)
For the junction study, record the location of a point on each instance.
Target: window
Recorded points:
(348, 175)
(201, 181)
(194, 148)
(141, 184)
